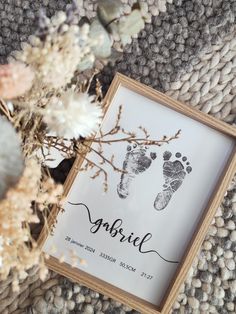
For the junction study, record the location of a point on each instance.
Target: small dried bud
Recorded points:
(15, 80)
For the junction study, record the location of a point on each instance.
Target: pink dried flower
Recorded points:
(15, 80)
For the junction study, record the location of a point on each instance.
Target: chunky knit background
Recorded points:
(188, 50)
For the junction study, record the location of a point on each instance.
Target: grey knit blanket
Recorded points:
(188, 51)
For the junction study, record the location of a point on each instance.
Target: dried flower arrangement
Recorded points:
(45, 104)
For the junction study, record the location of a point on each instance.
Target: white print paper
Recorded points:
(134, 235)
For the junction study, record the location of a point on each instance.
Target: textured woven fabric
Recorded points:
(173, 43)
(210, 87)
(189, 52)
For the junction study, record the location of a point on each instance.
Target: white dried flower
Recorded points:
(73, 115)
(55, 58)
(11, 161)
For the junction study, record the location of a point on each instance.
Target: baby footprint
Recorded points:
(174, 173)
(136, 161)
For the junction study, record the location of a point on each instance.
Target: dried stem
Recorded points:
(133, 139)
(5, 110)
(103, 158)
(100, 170)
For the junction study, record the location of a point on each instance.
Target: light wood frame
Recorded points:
(200, 232)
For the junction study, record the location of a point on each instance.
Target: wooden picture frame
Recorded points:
(194, 244)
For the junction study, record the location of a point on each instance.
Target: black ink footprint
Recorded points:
(136, 161)
(174, 173)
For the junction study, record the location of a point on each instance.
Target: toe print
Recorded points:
(137, 160)
(174, 173)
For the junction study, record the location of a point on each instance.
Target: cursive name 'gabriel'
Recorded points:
(115, 230)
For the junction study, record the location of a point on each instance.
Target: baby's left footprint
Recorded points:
(137, 160)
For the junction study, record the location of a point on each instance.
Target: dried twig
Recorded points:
(106, 160)
(5, 110)
(140, 141)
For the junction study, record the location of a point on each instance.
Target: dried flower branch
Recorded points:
(115, 135)
(131, 138)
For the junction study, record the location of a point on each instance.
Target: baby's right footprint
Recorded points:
(174, 173)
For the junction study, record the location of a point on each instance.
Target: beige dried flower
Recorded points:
(18, 250)
(56, 57)
(15, 80)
